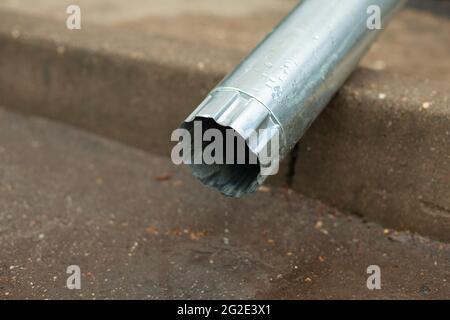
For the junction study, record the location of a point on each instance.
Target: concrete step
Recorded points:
(138, 227)
(381, 150)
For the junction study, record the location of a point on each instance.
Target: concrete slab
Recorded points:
(378, 151)
(140, 228)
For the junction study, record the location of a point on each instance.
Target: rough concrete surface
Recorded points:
(140, 228)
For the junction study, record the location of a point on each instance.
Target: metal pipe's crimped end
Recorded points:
(230, 109)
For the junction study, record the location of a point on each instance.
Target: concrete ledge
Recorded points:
(381, 150)
(135, 90)
(386, 159)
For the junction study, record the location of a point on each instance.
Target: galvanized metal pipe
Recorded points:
(286, 82)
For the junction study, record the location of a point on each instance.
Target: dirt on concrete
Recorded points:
(139, 227)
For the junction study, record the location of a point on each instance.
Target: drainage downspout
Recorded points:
(284, 84)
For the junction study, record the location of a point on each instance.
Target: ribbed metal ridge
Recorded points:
(247, 116)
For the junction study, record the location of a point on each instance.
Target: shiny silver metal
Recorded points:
(287, 81)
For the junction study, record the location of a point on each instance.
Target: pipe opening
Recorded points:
(237, 169)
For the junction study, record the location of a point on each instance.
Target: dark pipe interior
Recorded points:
(233, 180)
